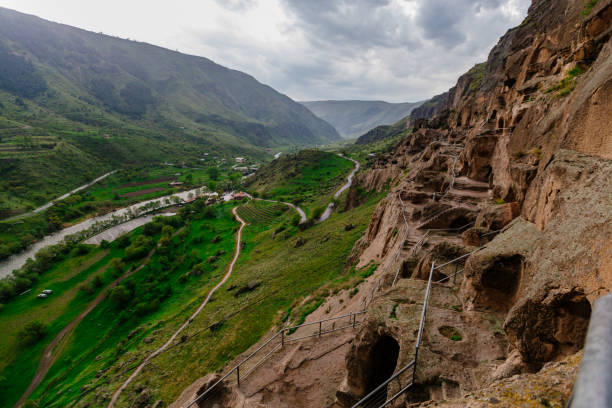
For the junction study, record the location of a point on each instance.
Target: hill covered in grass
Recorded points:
(75, 103)
(354, 118)
(308, 178)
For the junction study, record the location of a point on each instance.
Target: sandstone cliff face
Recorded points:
(531, 128)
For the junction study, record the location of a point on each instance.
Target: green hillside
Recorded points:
(75, 103)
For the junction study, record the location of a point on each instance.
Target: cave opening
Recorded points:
(381, 365)
(572, 315)
(460, 221)
(503, 277)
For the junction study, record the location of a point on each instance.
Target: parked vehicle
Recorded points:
(42, 296)
(47, 291)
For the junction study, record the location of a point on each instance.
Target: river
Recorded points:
(18, 260)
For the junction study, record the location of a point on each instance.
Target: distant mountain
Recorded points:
(74, 103)
(354, 118)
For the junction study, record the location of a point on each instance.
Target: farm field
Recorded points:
(261, 212)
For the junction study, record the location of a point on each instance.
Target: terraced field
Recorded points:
(261, 212)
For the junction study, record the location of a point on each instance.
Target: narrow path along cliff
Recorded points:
(349, 182)
(230, 269)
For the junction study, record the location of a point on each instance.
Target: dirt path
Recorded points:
(199, 309)
(50, 354)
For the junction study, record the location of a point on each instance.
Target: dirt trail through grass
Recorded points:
(230, 269)
(50, 354)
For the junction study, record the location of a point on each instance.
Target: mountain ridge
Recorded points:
(98, 102)
(353, 118)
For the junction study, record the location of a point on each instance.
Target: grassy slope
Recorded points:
(103, 350)
(308, 178)
(287, 275)
(18, 363)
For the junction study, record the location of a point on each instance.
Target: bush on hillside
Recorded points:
(31, 333)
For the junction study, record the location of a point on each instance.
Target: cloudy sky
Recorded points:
(393, 50)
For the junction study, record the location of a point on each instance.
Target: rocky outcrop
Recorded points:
(519, 152)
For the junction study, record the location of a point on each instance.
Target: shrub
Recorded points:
(123, 241)
(167, 230)
(120, 295)
(152, 228)
(209, 212)
(31, 333)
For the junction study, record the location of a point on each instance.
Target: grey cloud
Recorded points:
(371, 49)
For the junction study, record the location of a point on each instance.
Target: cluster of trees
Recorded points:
(133, 100)
(18, 75)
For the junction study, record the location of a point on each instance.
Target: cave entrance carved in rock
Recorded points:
(504, 277)
(381, 365)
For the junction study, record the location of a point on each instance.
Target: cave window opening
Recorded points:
(381, 365)
(503, 278)
(459, 222)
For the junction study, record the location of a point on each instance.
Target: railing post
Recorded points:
(354, 320)
(282, 337)
(455, 274)
(422, 324)
(238, 375)
(320, 326)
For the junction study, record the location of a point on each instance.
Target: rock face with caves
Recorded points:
(512, 166)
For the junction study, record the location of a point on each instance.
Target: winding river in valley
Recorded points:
(18, 260)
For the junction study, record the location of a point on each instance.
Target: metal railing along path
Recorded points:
(404, 377)
(419, 244)
(242, 370)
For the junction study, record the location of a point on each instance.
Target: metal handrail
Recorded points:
(236, 369)
(384, 384)
(413, 363)
(592, 388)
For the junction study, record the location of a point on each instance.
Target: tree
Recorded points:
(212, 185)
(213, 173)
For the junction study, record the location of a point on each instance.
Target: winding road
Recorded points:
(68, 194)
(349, 182)
(230, 269)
